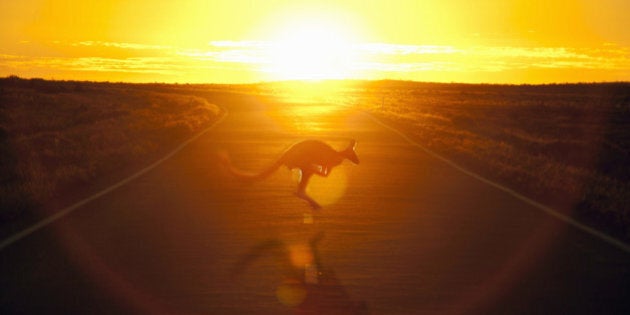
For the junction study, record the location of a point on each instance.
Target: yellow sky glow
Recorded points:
(493, 41)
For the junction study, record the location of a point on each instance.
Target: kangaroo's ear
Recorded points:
(353, 144)
(350, 152)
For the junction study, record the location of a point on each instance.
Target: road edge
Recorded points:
(65, 211)
(552, 212)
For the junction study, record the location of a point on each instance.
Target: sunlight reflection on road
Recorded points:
(308, 107)
(304, 117)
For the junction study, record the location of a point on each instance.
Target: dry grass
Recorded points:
(57, 138)
(564, 145)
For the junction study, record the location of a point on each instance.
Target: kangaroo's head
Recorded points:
(349, 152)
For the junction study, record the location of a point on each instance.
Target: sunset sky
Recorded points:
(491, 41)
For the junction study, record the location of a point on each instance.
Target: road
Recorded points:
(400, 233)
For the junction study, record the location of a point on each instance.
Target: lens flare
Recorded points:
(328, 190)
(291, 293)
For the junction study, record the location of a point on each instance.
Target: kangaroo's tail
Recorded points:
(244, 175)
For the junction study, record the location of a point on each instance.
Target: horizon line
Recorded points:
(315, 81)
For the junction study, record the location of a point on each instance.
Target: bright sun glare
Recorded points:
(311, 49)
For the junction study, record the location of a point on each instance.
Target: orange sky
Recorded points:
(493, 41)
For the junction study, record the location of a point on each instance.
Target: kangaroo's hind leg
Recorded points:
(305, 176)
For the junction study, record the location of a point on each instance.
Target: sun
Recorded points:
(311, 49)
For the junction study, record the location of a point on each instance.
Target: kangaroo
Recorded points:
(309, 157)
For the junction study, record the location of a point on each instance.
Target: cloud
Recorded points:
(132, 46)
(410, 58)
(239, 44)
(369, 59)
(395, 49)
(150, 65)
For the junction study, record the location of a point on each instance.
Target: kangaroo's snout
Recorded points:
(354, 158)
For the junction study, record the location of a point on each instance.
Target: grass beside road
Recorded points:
(59, 139)
(566, 146)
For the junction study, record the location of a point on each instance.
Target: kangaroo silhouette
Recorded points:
(309, 157)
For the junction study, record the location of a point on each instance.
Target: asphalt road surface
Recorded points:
(400, 233)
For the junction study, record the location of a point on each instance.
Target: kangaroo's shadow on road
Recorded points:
(307, 287)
